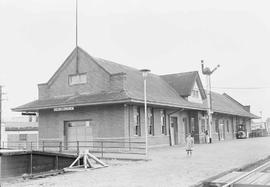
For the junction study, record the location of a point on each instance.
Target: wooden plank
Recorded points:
(228, 177)
(250, 178)
(263, 179)
(249, 185)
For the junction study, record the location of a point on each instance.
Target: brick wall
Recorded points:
(158, 138)
(107, 121)
(229, 130)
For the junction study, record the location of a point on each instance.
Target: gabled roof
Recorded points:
(183, 83)
(165, 90)
(73, 54)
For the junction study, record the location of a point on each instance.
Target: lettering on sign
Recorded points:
(63, 109)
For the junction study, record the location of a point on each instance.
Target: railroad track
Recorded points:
(257, 177)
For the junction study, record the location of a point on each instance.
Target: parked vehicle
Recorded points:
(241, 132)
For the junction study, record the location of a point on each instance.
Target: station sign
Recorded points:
(63, 109)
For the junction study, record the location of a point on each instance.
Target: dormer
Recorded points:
(188, 85)
(195, 95)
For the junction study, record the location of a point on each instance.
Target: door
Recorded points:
(222, 131)
(174, 130)
(78, 132)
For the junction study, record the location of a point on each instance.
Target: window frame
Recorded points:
(79, 75)
(137, 127)
(217, 125)
(163, 122)
(24, 137)
(228, 126)
(150, 122)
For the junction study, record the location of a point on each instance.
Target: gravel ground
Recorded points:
(169, 166)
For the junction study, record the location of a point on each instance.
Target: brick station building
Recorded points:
(89, 98)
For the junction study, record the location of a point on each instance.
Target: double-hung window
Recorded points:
(151, 121)
(163, 122)
(137, 121)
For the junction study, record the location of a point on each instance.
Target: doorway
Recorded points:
(78, 131)
(222, 131)
(174, 130)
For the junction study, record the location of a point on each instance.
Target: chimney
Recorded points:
(247, 108)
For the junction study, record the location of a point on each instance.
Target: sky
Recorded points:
(171, 36)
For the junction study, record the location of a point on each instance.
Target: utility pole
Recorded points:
(145, 73)
(77, 51)
(1, 115)
(206, 71)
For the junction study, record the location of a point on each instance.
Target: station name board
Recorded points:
(63, 109)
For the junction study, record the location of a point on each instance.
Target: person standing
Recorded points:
(189, 144)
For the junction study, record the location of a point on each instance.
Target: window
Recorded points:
(151, 121)
(232, 126)
(203, 124)
(192, 124)
(217, 126)
(163, 122)
(228, 128)
(137, 121)
(77, 79)
(195, 93)
(22, 137)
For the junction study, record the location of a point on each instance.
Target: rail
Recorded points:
(232, 182)
(99, 146)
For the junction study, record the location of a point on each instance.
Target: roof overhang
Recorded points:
(36, 109)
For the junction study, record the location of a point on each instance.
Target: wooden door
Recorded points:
(222, 131)
(174, 133)
(79, 131)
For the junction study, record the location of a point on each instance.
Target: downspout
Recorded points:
(129, 128)
(169, 121)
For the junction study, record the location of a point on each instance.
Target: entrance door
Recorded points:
(222, 131)
(78, 131)
(174, 130)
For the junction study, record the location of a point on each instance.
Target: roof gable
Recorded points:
(183, 83)
(77, 51)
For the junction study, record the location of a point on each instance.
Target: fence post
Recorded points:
(56, 162)
(31, 163)
(43, 145)
(60, 146)
(101, 149)
(78, 148)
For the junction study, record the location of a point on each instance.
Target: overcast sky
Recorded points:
(165, 36)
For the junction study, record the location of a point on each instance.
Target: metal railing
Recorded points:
(99, 146)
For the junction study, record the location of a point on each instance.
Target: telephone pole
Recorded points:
(206, 71)
(1, 115)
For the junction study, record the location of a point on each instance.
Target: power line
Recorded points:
(242, 88)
